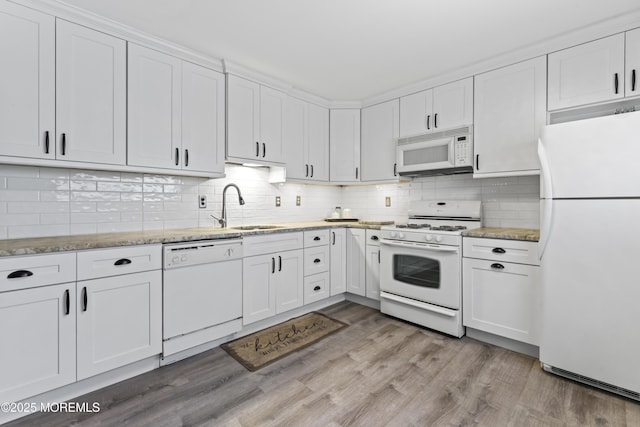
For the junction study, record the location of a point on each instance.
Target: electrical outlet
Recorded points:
(298, 201)
(277, 201)
(202, 201)
(387, 201)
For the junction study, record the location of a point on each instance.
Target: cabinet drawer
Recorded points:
(121, 260)
(316, 238)
(373, 237)
(316, 287)
(272, 243)
(37, 270)
(501, 250)
(316, 260)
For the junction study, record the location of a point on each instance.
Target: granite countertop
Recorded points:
(42, 245)
(527, 234)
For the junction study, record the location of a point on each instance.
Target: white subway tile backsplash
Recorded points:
(56, 201)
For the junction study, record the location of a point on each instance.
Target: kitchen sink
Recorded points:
(256, 227)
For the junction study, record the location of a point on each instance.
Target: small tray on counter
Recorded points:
(366, 222)
(341, 219)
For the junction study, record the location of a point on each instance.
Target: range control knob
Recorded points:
(428, 237)
(394, 234)
(183, 258)
(438, 239)
(175, 259)
(401, 235)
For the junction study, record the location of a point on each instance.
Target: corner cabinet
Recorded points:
(306, 141)
(176, 113)
(344, 145)
(433, 110)
(500, 282)
(510, 113)
(255, 122)
(380, 130)
(27, 48)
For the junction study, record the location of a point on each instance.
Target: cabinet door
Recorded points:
(154, 108)
(243, 119)
(373, 272)
(344, 145)
(416, 113)
(587, 73)
(380, 129)
(318, 143)
(453, 105)
(258, 288)
(39, 340)
(119, 321)
(27, 76)
(502, 301)
(295, 139)
(632, 63)
(510, 112)
(290, 285)
(338, 261)
(356, 261)
(272, 114)
(203, 98)
(91, 95)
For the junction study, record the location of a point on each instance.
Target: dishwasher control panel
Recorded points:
(201, 252)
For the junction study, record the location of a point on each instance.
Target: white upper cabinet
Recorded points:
(433, 110)
(306, 141)
(176, 113)
(632, 71)
(510, 112)
(91, 94)
(27, 81)
(588, 73)
(344, 145)
(154, 108)
(255, 121)
(380, 129)
(203, 126)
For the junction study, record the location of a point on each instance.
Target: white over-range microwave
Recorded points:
(438, 153)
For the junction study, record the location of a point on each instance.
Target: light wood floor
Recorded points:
(378, 371)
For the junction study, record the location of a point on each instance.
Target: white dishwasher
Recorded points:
(202, 292)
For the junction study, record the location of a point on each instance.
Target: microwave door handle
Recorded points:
(452, 153)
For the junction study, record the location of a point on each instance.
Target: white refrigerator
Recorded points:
(590, 251)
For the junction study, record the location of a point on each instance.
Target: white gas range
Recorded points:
(421, 264)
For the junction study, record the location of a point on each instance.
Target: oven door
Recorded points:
(421, 271)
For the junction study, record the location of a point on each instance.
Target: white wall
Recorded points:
(36, 202)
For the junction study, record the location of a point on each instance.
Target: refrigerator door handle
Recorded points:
(547, 200)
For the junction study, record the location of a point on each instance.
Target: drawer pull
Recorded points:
(497, 266)
(19, 273)
(67, 303)
(498, 251)
(316, 239)
(317, 260)
(317, 288)
(375, 238)
(122, 261)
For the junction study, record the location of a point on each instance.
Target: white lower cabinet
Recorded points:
(39, 340)
(373, 264)
(338, 262)
(356, 261)
(272, 282)
(119, 321)
(501, 297)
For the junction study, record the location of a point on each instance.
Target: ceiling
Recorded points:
(356, 49)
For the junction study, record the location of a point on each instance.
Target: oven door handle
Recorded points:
(418, 304)
(453, 249)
